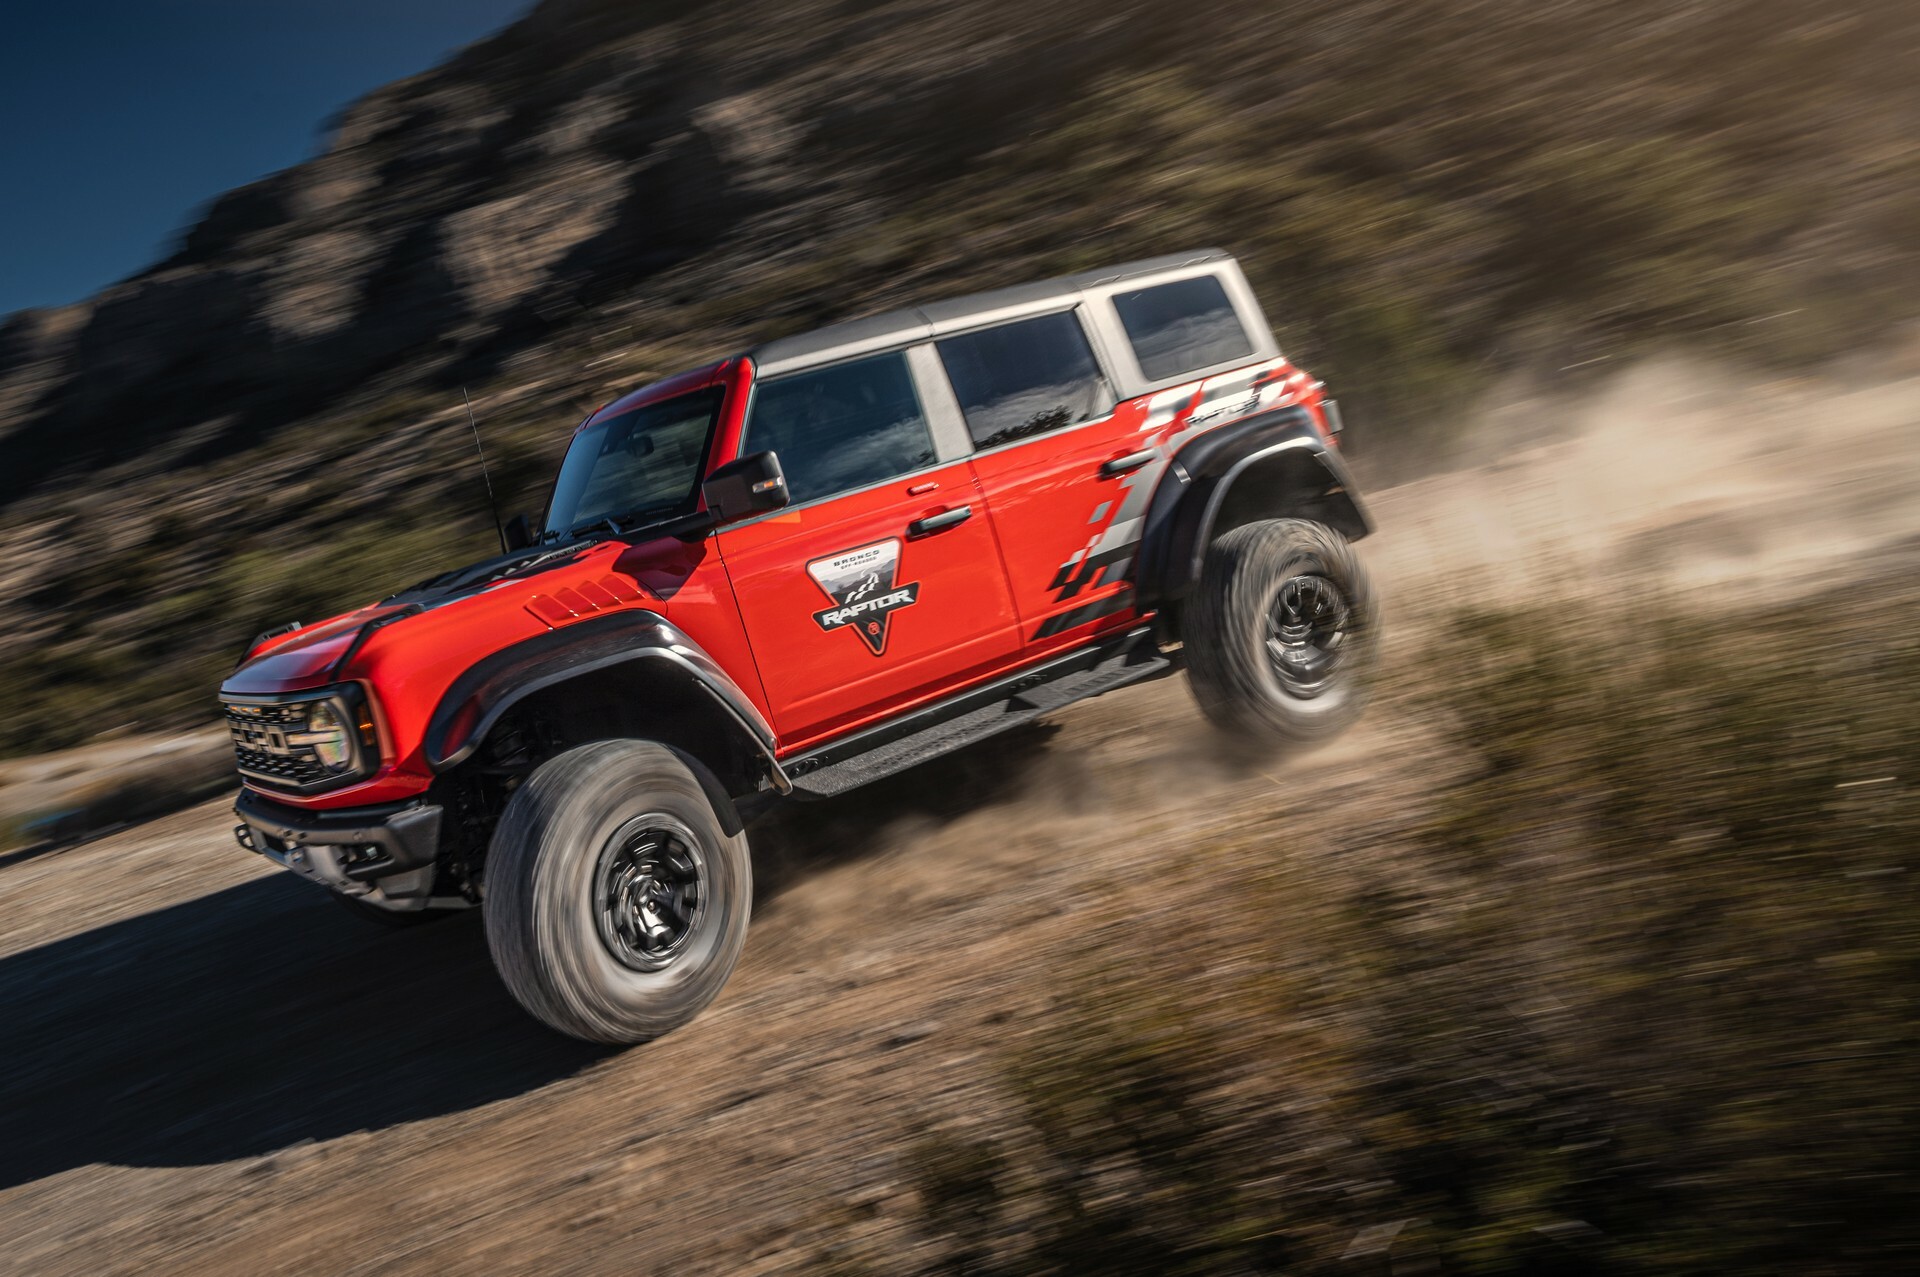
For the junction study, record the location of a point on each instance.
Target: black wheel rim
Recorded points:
(1306, 633)
(649, 891)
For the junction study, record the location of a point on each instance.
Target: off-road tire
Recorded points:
(542, 906)
(1226, 635)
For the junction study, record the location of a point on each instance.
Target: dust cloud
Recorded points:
(1681, 477)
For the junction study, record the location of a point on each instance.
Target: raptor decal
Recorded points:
(863, 586)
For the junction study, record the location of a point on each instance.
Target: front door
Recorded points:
(880, 585)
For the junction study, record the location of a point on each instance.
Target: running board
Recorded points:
(973, 716)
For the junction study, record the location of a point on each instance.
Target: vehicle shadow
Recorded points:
(800, 837)
(247, 1020)
(262, 1015)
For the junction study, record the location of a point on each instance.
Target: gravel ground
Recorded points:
(219, 1070)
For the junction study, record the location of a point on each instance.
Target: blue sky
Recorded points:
(121, 119)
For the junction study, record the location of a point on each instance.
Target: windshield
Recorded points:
(644, 463)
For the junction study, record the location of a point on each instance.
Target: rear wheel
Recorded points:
(1282, 632)
(616, 901)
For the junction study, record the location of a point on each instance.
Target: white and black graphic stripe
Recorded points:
(1172, 416)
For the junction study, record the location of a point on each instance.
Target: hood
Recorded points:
(308, 657)
(317, 655)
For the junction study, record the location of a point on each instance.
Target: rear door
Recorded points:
(1067, 470)
(880, 585)
(1052, 457)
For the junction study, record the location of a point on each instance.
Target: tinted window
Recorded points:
(841, 427)
(645, 461)
(1024, 378)
(1182, 327)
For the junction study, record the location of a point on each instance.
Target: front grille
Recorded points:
(261, 748)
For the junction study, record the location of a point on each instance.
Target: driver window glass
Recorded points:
(843, 427)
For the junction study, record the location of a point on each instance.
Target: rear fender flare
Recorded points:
(480, 697)
(1275, 464)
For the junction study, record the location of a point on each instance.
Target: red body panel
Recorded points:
(688, 584)
(1040, 564)
(409, 666)
(301, 659)
(960, 625)
(1050, 504)
(1068, 530)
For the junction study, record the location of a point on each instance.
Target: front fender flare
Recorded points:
(478, 698)
(1304, 478)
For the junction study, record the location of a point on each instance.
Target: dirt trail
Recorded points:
(209, 1069)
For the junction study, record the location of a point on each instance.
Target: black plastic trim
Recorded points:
(1001, 689)
(1180, 517)
(479, 697)
(408, 834)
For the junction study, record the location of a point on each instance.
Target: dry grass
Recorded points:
(1630, 989)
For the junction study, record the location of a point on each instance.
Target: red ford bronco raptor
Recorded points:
(794, 571)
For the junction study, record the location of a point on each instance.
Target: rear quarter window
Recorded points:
(1182, 327)
(1024, 378)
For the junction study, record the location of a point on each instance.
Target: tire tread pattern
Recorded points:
(1227, 665)
(543, 940)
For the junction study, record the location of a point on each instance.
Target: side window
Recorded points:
(841, 427)
(1182, 327)
(1024, 378)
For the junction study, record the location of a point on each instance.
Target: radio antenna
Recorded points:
(493, 508)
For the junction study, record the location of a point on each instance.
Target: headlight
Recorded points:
(327, 735)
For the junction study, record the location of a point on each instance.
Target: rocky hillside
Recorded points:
(266, 424)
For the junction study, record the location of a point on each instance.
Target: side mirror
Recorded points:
(752, 485)
(518, 533)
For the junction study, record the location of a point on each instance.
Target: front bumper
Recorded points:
(355, 851)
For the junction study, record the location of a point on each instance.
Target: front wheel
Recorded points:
(1282, 632)
(616, 902)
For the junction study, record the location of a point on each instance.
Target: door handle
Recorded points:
(1122, 465)
(935, 522)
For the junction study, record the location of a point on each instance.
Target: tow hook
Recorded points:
(243, 835)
